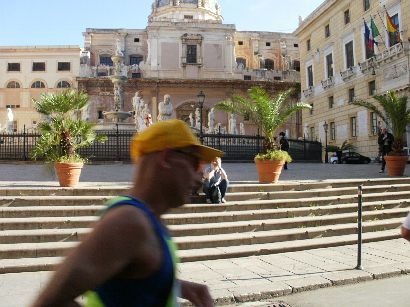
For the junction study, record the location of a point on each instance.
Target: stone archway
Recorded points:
(183, 111)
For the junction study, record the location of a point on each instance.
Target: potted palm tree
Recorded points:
(268, 113)
(394, 114)
(63, 133)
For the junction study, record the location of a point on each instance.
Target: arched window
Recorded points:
(269, 64)
(38, 84)
(63, 84)
(240, 61)
(13, 84)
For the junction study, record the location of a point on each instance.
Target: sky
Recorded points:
(51, 22)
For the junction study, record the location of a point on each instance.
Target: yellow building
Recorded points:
(338, 66)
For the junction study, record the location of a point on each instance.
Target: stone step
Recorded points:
(22, 201)
(47, 222)
(279, 212)
(31, 264)
(284, 223)
(297, 202)
(60, 191)
(282, 247)
(49, 211)
(42, 235)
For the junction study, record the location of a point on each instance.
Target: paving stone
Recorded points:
(308, 283)
(347, 277)
(384, 271)
(260, 292)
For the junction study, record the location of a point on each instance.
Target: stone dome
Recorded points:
(185, 10)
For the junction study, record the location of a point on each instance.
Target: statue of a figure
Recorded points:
(118, 48)
(232, 125)
(86, 112)
(165, 108)
(197, 119)
(10, 119)
(211, 120)
(241, 129)
(124, 70)
(191, 119)
(138, 108)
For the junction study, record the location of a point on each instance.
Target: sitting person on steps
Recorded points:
(215, 182)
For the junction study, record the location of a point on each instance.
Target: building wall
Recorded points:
(20, 99)
(389, 70)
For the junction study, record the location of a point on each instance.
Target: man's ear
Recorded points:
(165, 159)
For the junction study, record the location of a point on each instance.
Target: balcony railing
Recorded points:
(329, 82)
(368, 65)
(87, 71)
(347, 74)
(389, 53)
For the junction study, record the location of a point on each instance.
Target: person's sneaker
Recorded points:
(381, 171)
(223, 200)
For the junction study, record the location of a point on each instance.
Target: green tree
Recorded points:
(394, 114)
(63, 133)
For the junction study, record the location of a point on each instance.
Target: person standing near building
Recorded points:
(385, 141)
(284, 145)
(129, 258)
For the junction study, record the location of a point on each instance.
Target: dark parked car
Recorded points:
(354, 157)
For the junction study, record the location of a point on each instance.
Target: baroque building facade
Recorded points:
(185, 48)
(338, 66)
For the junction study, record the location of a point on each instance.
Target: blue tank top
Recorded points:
(159, 289)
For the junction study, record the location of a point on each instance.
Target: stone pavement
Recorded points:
(239, 280)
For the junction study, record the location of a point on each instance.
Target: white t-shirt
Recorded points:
(406, 223)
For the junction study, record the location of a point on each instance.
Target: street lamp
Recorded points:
(325, 127)
(200, 99)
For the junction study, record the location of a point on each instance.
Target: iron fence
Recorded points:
(17, 146)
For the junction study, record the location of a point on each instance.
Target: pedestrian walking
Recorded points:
(129, 258)
(284, 145)
(385, 141)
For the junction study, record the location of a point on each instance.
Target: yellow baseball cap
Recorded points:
(165, 134)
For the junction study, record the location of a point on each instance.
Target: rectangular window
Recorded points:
(64, 66)
(349, 54)
(267, 44)
(247, 77)
(327, 30)
(39, 66)
(311, 109)
(312, 133)
(346, 15)
(188, 17)
(373, 121)
(351, 95)
(296, 45)
(310, 76)
(366, 4)
(372, 88)
(13, 106)
(191, 54)
(329, 65)
(332, 131)
(106, 60)
(394, 38)
(136, 40)
(135, 59)
(13, 67)
(135, 75)
(353, 127)
(240, 43)
(100, 114)
(308, 45)
(331, 102)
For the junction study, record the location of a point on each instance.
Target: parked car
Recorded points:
(354, 157)
(333, 159)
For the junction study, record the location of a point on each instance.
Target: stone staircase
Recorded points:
(40, 225)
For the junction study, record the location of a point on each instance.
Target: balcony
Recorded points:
(105, 71)
(368, 65)
(389, 53)
(328, 83)
(268, 75)
(308, 92)
(347, 74)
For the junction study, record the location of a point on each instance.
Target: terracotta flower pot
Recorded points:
(395, 165)
(68, 173)
(269, 170)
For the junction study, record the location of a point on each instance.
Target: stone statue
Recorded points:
(10, 119)
(86, 113)
(211, 120)
(138, 108)
(118, 48)
(232, 125)
(124, 70)
(197, 119)
(191, 119)
(165, 109)
(241, 129)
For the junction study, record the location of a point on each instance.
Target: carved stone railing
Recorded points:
(308, 92)
(105, 71)
(368, 65)
(389, 53)
(329, 82)
(348, 73)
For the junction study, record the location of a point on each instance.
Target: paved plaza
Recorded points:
(264, 279)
